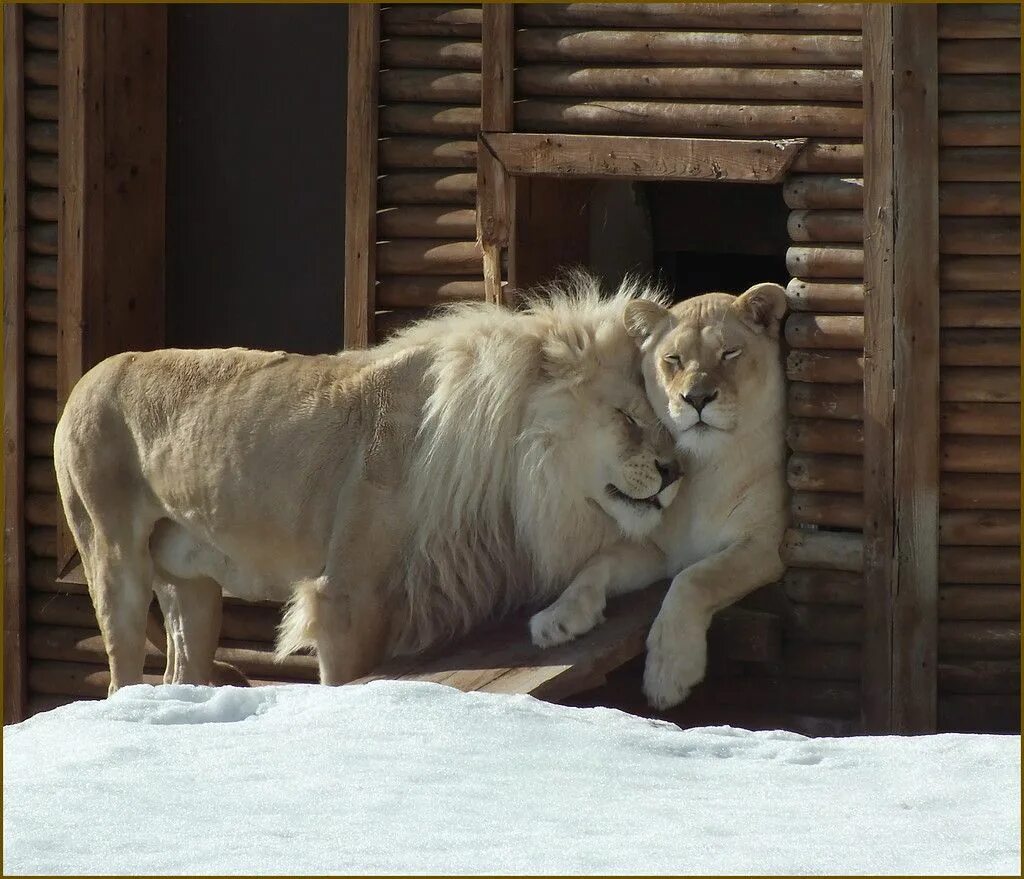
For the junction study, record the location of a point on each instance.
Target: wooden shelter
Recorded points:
(868, 157)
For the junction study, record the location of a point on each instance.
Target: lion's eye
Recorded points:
(731, 353)
(674, 359)
(629, 418)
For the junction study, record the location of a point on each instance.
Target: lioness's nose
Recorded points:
(669, 474)
(700, 399)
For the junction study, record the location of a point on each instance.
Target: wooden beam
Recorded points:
(645, 158)
(15, 639)
(494, 188)
(361, 175)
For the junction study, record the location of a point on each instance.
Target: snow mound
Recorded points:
(419, 778)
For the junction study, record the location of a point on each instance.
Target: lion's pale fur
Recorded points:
(396, 496)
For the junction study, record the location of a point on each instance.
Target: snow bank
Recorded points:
(411, 777)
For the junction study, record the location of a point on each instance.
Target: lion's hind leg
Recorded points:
(192, 611)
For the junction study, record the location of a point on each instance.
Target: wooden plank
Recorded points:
(423, 291)
(879, 422)
(426, 152)
(832, 551)
(15, 657)
(978, 21)
(646, 158)
(986, 419)
(431, 19)
(453, 53)
(815, 17)
(979, 56)
(426, 221)
(361, 175)
(825, 296)
(831, 473)
(979, 528)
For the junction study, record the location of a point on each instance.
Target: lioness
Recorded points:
(394, 496)
(713, 372)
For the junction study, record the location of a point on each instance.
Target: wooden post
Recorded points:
(15, 661)
(494, 185)
(361, 175)
(901, 424)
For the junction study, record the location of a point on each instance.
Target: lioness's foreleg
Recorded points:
(677, 642)
(625, 567)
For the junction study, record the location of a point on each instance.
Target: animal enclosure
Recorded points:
(866, 157)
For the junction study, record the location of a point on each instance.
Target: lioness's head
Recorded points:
(707, 360)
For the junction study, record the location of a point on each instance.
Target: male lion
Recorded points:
(713, 372)
(394, 497)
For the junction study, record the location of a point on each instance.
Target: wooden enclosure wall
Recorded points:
(979, 386)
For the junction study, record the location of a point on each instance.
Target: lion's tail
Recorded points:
(296, 630)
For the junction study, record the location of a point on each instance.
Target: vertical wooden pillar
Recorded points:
(494, 185)
(901, 425)
(361, 175)
(15, 662)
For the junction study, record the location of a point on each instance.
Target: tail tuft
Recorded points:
(296, 629)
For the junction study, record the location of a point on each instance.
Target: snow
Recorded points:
(419, 778)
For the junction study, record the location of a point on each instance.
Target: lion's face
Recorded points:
(706, 359)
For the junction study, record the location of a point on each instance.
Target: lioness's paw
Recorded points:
(675, 665)
(562, 622)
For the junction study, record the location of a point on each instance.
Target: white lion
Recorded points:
(394, 497)
(713, 372)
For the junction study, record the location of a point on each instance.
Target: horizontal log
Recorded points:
(829, 662)
(979, 603)
(979, 454)
(41, 239)
(827, 473)
(76, 679)
(688, 83)
(39, 440)
(830, 367)
(387, 323)
(41, 373)
(825, 261)
(824, 587)
(415, 221)
(734, 16)
(428, 256)
(426, 153)
(827, 509)
(979, 199)
(978, 714)
(41, 305)
(823, 192)
(430, 19)
(825, 436)
(41, 542)
(979, 528)
(979, 273)
(424, 291)
(830, 157)
(832, 624)
(979, 639)
(42, 204)
(979, 94)
(826, 550)
(979, 491)
(979, 56)
(41, 338)
(680, 118)
(427, 187)
(985, 347)
(977, 676)
(979, 385)
(41, 34)
(979, 164)
(450, 120)
(817, 296)
(432, 86)
(40, 477)
(986, 419)
(41, 271)
(428, 52)
(807, 400)
(40, 68)
(43, 10)
(41, 103)
(830, 226)
(990, 236)
(978, 21)
(41, 137)
(687, 47)
(41, 508)
(825, 330)
(41, 408)
(979, 564)
(42, 574)
(979, 129)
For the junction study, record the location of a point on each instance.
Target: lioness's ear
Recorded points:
(642, 318)
(762, 307)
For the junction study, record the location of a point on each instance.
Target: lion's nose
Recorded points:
(669, 474)
(700, 399)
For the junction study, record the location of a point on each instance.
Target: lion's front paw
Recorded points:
(675, 664)
(563, 621)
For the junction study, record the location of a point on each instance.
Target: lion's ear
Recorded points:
(642, 317)
(762, 307)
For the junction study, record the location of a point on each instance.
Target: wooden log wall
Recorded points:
(979, 280)
(429, 118)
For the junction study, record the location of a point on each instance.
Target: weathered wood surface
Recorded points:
(668, 16)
